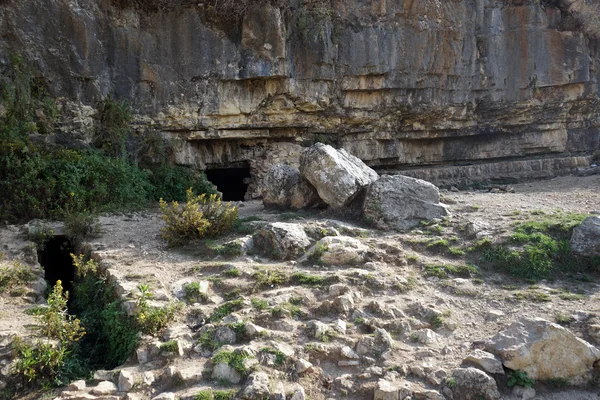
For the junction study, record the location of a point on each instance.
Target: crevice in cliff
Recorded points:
(56, 260)
(232, 182)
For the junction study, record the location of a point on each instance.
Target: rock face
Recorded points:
(338, 176)
(232, 92)
(401, 202)
(284, 188)
(586, 238)
(281, 240)
(544, 350)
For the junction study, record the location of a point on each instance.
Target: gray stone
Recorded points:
(223, 371)
(544, 350)
(474, 384)
(126, 381)
(165, 396)
(485, 361)
(337, 176)
(189, 375)
(338, 250)
(298, 394)
(400, 202)
(76, 385)
(586, 238)
(104, 388)
(303, 366)
(225, 335)
(281, 240)
(284, 188)
(257, 387)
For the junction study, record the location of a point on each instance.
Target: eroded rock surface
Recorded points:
(586, 238)
(285, 188)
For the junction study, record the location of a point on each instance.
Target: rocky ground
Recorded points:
(364, 316)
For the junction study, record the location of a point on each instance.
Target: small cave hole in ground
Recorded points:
(232, 182)
(56, 260)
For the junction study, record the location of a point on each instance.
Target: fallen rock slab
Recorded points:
(400, 202)
(284, 188)
(337, 176)
(544, 350)
(485, 361)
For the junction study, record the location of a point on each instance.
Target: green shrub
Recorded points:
(519, 378)
(259, 304)
(153, 320)
(266, 278)
(225, 309)
(201, 216)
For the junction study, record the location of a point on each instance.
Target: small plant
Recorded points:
(286, 307)
(564, 319)
(302, 278)
(315, 256)
(451, 383)
(204, 395)
(232, 273)
(259, 304)
(456, 251)
(194, 293)
(268, 278)
(443, 270)
(557, 383)
(15, 274)
(438, 244)
(436, 321)
(152, 320)
(169, 347)
(280, 358)
(519, 378)
(225, 309)
(235, 359)
(202, 216)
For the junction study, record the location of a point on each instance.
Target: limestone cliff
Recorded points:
(450, 91)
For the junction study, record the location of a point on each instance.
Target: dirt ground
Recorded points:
(134, 252)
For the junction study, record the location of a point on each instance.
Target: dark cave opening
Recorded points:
(232, 182)
(56, 260)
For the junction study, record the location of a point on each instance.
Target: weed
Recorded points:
(302, 278)
(443, 270)
(259, 304)
(225, 309)
(412, 258)
(280, 358)
(193, 293)
(451, 383)
(533, 295)
(15, 275)
(557, 383)
(169, 347)
(229, 249)
(286, 307)
(268, 278)
(456, 251)
(232, 273)
(438, 244)
(571, 296)
(235, 359)
(152, 320)
(519, 378)
(436, 321)
(224, 394)
(564, 319)
(315, 256)
(201, 216)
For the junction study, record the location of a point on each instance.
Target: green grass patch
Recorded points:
(235, 359)
(445, 270)
(225, 309)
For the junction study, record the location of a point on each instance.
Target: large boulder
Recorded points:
(337, 176)
(401, 202)
(474, 384)
(257, 387)
(586, 238)
(281, 240)
(544, 350)
(284, 188)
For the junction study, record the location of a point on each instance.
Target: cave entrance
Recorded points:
(232, 182)
(56, 260)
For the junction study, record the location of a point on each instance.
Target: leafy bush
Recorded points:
(44, 362)
(519, 378)
(152, 320)
(201, 216)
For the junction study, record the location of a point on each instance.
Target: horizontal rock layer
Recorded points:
(400, 84)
